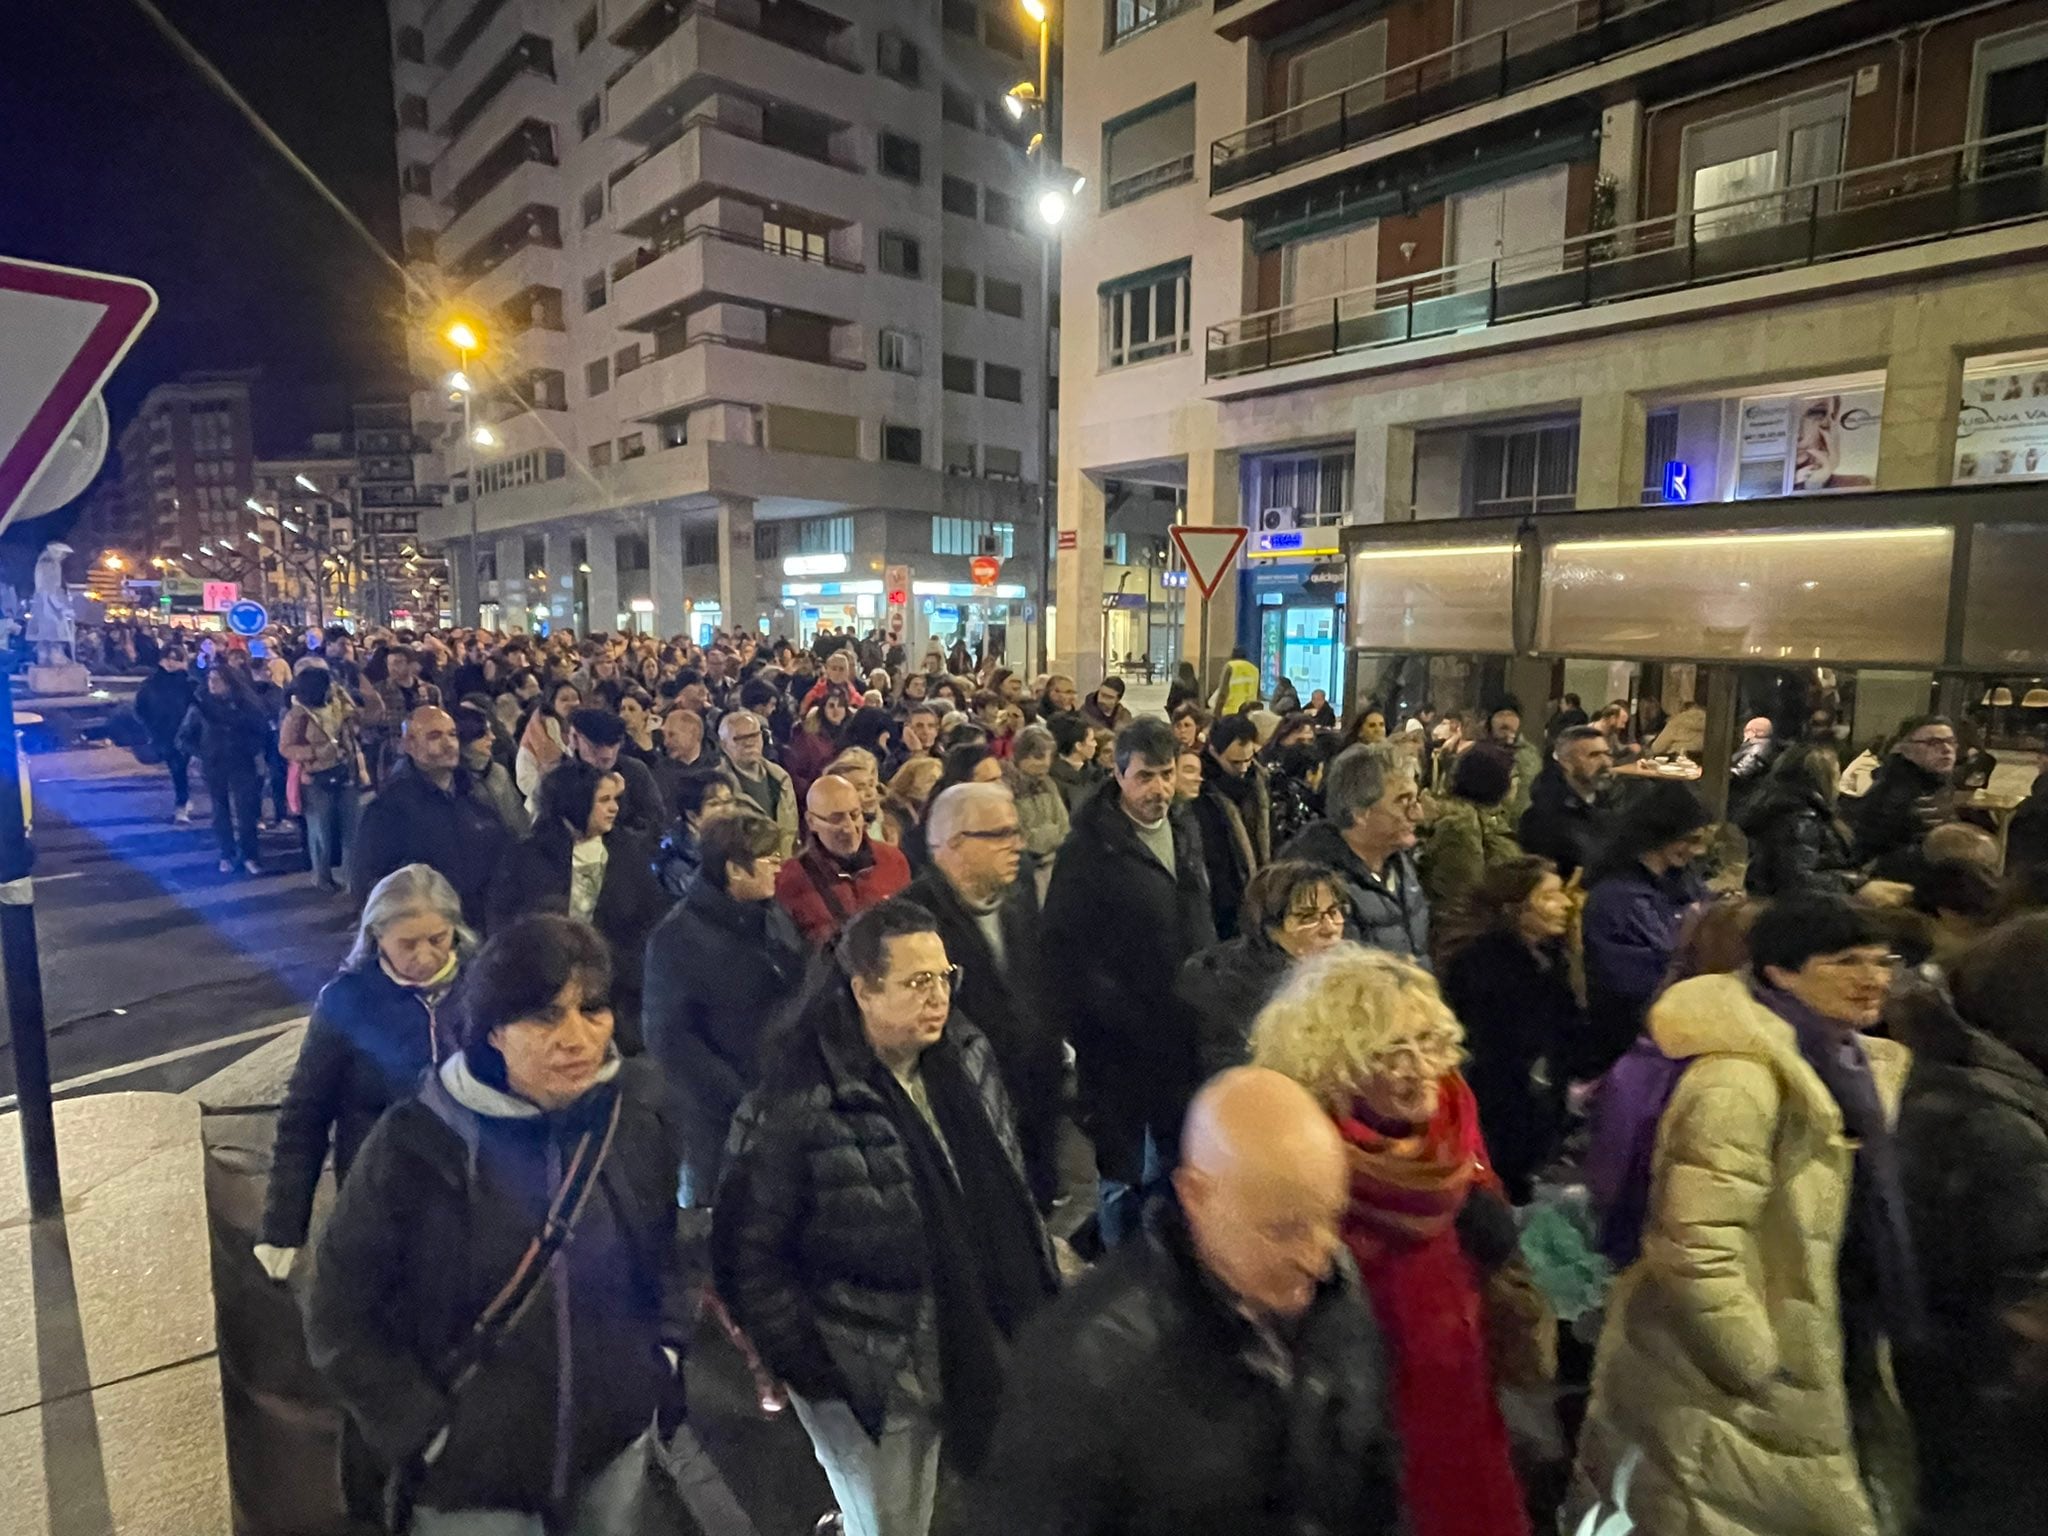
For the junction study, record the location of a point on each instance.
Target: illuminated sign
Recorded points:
(1008, 591)
(1677, 481)
(1294, 541)
(831, 589)
(815, 565)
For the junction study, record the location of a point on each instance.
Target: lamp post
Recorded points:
(462, 336)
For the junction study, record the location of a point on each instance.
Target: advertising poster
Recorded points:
(1797, 445)
(2002, 426)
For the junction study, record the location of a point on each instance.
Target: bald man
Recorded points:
(427, 812)
(1223, 1373)
(841, 871)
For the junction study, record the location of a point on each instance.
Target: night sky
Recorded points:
(122, 157)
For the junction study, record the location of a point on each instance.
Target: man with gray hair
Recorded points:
(744, 735)
(1370, 807)
(983, 890)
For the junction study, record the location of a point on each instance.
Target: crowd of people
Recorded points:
(830, 971)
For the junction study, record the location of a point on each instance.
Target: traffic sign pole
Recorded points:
(1209, 553)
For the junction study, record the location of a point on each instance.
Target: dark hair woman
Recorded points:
(227, 730)
(1797, 840)
(446, 1230)
(318, 735)
(817, 740)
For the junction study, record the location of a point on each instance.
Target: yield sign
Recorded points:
(1208, 553)
(61, 333)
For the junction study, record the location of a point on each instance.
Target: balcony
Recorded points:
(529, 97)
(531, 183)
(714, 154)
(715, 368)
(707, 264)
(1972, 188)
(534, 266)
(708, 53)
(1480, 69)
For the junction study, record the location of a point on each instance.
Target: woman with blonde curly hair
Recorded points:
(1368, 1034)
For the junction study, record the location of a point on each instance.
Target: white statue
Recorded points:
(51, 626)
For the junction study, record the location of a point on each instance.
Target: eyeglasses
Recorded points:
(837, 819)
(1861, 962)
(930, 983)
(1305, 918)
(1010, 834)
(1434, 1053)
(1930, 741)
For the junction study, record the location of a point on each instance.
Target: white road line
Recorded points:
(128, 1068)
(69, 874)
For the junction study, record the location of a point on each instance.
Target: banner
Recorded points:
(2002, 425)
(1795, 445)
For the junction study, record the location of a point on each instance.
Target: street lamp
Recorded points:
(1057, 188)
(304, 484)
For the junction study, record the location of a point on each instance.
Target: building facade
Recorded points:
(1405, 289)
(186, 462)
(759, 312)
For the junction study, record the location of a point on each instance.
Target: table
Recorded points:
(1682, 771)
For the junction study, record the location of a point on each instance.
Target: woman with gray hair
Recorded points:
(376, 1029)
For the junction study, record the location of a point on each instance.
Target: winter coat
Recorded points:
(1467, 840)
(1297, 805)
(807, 756)
(822, 893)
(1042, 813)
(1904, 801)
(773, 794)
(411, 821)
(1973, 1143)
(1795, 843)
(303, 739)
(718, 972)
(1529, 766)
(2026, 840)
(1722, 1357)
(1237, 840)
(1119, 925)
(1141, 1405)
(1559, 826)
(1390, 910)
(161, 704)
(448, 1191)
(367, 1045)
(227, 735)
(1075, 784)
(1522, 1022)
(1223, 988)
(493, 787)
(818, 1241)
(1631, 926)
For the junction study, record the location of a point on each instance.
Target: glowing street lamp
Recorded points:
(461, 335)
(483, 437)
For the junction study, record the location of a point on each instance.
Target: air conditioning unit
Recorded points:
(1279, 519)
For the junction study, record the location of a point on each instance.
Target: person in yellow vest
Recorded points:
(1240, 685)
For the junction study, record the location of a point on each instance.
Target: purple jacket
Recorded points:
(1631, 926)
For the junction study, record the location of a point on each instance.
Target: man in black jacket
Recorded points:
(426, 814)
(161, 704)
(1128, 904)
(1910, 795)
(986, 905)
(1567, 816)
(599, 737)
(1213, 1378)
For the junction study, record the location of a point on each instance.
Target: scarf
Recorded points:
(1409, 1183)
(983, 1250)
(430, 994)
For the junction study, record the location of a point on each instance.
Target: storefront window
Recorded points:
(1435, 597)
(2002, 422)
(2002, 626)
(1790, 441)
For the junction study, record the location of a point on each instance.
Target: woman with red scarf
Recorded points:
(1369, 1035)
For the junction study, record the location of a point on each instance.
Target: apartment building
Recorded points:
(186, 465)
(759, 308)
(1412, 291)
(404, 578)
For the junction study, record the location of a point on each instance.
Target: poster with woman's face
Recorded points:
(1805, 444)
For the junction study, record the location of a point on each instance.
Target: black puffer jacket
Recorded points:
(1390, 914)
(449, 1190)
(227, 734)
(369, 1041)
(1973, 1137)
(1223, 988)
(818, 1241)
(1795, 843)
(1137, 1408)
(1523, 1028)
(1891, 821)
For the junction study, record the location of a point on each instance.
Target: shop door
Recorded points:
(1309, 651)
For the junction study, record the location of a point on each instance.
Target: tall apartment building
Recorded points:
(760, 309)
(1413, 290)
(404, 577)
(186, 464)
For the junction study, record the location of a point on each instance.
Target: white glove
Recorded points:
(674, 1359)
(277, 1262)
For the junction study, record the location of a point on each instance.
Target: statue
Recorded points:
(52, 628)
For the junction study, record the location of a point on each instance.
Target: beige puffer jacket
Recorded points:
(1721, 1361)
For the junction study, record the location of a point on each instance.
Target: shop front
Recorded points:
(993, 620)
(1290, 621)
(840, 606)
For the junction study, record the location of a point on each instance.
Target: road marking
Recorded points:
(69, 874)
(129, 1068)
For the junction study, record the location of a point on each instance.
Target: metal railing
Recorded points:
(1484, 67)
(1979, 185)
(1128, 189)
(647, 255)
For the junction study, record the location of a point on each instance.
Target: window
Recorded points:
(633, 446)
(1145, 316)
(957, 106)
(586, 29)
(700, 546)
(1127, 18)
(625, 360)
(959, 16)
(969, 536)
(897, 57)
(417, 180)
(791, 239)
(410, 44)
(601, 455)
(825, 536)
(958, 195)
(1002, 210)
(897, 352)
(1006, 34)
(1733, 164)
(999, 381)
(900, 157)
(1002, 463)
(902, 445)
(593, 292)
(412, 112)
(1324, 266)
(2009, 100)
(1286, 491)
(593, 204)
(957, 285)
(597, 377)
(1003, 297)
(674, 431)
(1526, 468)
(957, 372)
(590, 117)
(901, 255)
(1149, 150)
(959, 461)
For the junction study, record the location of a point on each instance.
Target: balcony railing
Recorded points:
(1975, 186)
(647, 255)
(1170, 173)
(732, 130)
(1485, 67)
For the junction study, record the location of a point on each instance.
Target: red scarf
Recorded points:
(1406, 1190)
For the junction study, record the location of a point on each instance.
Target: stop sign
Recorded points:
(985, 569)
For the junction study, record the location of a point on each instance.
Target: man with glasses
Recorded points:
(744, 736)
(1371, 807)
(873, 1232)
(1912, 793)
(985, 901)
(841, 871)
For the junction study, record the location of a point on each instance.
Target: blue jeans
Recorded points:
(330, 826)
(610, 1506)
(885, 1487)
(1120, 1207)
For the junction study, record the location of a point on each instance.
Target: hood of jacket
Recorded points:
(1719, 1016)
(468, 1091)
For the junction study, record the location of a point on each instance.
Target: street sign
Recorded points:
(220, 596)
(1208, 553)
(247, 617)
(61, 332)
(985, 569)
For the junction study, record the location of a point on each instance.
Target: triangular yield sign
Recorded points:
(1208, 553)
(61, 333)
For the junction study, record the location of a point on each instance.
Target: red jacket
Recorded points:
(821, 893)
